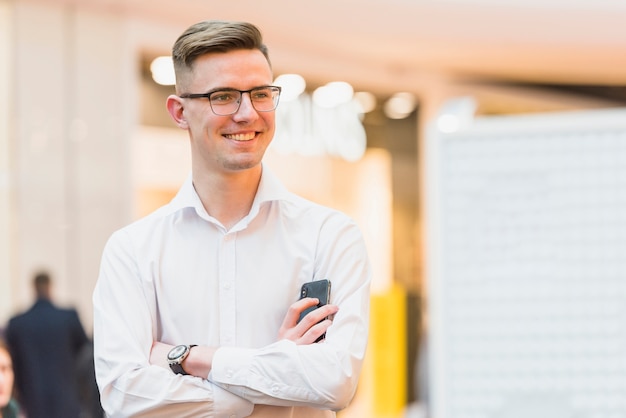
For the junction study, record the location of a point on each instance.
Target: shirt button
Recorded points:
(229, 374)
(275, 389)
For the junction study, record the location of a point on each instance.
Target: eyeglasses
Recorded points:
(227, 101)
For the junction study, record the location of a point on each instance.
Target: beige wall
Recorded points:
(65, 152)
(7, 281)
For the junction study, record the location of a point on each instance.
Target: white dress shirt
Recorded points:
(179, 277)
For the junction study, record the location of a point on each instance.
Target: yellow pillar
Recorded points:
(387, 353)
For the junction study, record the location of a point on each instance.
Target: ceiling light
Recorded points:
(162, 69)
(400, 105)
(333, 94)
(293, 85)
(366, 101)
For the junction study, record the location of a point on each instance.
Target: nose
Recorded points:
(246, 109)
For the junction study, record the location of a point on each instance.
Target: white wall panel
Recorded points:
(527, 254)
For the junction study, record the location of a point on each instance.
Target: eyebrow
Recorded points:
(234, 89)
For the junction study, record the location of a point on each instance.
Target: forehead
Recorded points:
(241, 69)
(5, 359)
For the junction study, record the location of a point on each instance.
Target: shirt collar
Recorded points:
(270, 189)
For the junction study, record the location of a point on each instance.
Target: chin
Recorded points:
(241, 165)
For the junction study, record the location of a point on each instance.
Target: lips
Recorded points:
(241, 137)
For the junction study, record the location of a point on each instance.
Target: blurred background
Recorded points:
(86, 144)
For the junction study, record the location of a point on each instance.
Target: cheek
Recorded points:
(205, 129)
(270, 121)
(6, 380)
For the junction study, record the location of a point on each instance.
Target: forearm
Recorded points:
(131, 389)
(149, 393)
(129, 386)
(286, 374)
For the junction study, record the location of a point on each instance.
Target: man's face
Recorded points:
(233, 142)
(6, 377)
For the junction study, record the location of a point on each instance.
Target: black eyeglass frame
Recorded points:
(207, 95)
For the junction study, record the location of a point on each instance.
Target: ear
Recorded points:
(177, 111)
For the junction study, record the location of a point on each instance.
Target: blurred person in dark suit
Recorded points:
(45, 343)
(88, 389)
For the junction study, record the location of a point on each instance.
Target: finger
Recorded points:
(315, 324)
(288, 327)
(315, 332)
(318, 315)
(293, 313)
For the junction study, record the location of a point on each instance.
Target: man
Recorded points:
(45, 342)
(211, 280)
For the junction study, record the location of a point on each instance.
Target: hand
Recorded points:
(310, 328)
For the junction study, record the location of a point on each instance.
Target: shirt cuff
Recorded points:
(231, 366)
(228, 405)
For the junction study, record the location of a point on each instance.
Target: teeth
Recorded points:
(241, 137)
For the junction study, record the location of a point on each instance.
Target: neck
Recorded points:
(228, 197)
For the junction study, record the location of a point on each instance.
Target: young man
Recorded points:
(196, 307)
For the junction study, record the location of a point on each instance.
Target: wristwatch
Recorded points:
(176, 356)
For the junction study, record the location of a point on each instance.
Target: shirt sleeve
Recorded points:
(322, 375)
(123, 335)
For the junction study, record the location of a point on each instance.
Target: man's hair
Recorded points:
(4, 346)
(214, 36)
(42, 284)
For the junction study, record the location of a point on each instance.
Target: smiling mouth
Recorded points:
(241, 137)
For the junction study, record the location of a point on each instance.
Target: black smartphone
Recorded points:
(319, 289)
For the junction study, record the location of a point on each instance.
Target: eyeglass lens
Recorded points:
(227, 102)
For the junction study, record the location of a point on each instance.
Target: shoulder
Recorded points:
(324, 225)
(316, 211)
(143, 229)
(68, 311)
(185, 202)
(15, 321)
(11, 410)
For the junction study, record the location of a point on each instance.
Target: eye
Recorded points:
(221, 97)
(261, 94)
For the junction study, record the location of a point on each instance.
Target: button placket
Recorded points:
(227, 265)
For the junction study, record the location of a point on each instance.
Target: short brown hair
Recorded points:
(42, 283)
(214, 36)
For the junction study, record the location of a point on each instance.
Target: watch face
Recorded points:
(176, 352)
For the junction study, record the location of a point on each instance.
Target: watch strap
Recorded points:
(178, 369)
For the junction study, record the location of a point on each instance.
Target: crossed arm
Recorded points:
(136, 303)
(199, 361)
